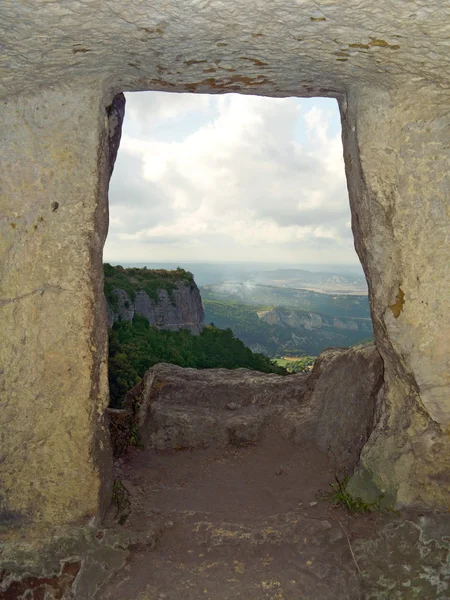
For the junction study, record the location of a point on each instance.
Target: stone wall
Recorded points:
(386, 64)
(333, 409)
(397, 161)
(55, 457)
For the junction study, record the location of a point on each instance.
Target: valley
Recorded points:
(160, 315)
(279, 321)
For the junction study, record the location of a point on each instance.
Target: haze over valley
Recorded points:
(328, 278)
(265, 308)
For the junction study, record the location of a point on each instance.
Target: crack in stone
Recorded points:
(40, 290)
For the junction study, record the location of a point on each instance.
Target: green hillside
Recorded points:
(337, 305)
(297, 365)
(135, 347)
(245, 324)
(281, 338)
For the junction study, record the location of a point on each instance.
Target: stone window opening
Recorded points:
(291, 207)
(239, 447)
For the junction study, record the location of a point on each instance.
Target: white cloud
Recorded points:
(239, 182)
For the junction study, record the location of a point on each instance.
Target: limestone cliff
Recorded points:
(312, 321)
(167, 299)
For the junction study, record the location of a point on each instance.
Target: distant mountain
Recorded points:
(336, 305)
(328, 282)
(327, 278)
(286, 331)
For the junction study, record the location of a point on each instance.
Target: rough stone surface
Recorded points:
(188, 408)
(334, 408)
(231, 529)
(423, 544)
(345, 391)
(116, 114)
(246, 524)
(72, 566)
(55, 457)
(272, 48)
(397, 161)
(386, 62)
(182, 309)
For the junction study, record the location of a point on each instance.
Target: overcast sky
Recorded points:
(229, 178)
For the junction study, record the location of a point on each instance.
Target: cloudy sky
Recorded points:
(229, 178)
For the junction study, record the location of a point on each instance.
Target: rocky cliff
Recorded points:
(311, 321)
(167, 299)
(285, 331)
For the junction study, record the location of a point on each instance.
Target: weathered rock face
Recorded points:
(55, 458)
(116, 114)
(213, 407)
(397, 163)
(278, 49)
(181, 309)
(334, 408)
(281, 316)
(346, 389)
(387, 65)
(72, 566)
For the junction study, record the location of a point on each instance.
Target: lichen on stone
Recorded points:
(397, 307)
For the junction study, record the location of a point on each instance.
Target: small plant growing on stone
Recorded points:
(135, 439)
(339, 496)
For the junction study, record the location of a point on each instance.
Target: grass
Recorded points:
(296, 364)
(135, 438)
(339, 496)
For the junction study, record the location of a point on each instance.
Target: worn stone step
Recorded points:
(184, 426)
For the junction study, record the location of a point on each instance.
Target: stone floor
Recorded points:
(245, 523)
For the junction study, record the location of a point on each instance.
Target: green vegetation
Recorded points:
(296, 365)
(243, 320)
(339, 496)
(365, 341)
(135, 347)
(283, 338)
(150, 280)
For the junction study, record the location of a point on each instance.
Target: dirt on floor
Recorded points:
(246, 523)
(244, 519)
